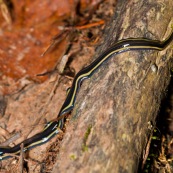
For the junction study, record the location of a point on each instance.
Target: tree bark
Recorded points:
(108, 130)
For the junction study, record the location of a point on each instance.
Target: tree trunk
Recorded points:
(108, 130)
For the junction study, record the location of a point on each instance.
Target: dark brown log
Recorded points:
(108, 131)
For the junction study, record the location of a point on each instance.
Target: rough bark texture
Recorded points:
(108, 130)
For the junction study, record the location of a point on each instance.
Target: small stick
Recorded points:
(21, 159)
(11, 139)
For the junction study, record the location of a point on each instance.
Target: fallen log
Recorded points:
(109, 128)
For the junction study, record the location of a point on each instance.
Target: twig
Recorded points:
(11, 139)
(21, 159)
(90, 25)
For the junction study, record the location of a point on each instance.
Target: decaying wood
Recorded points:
(108, 131)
